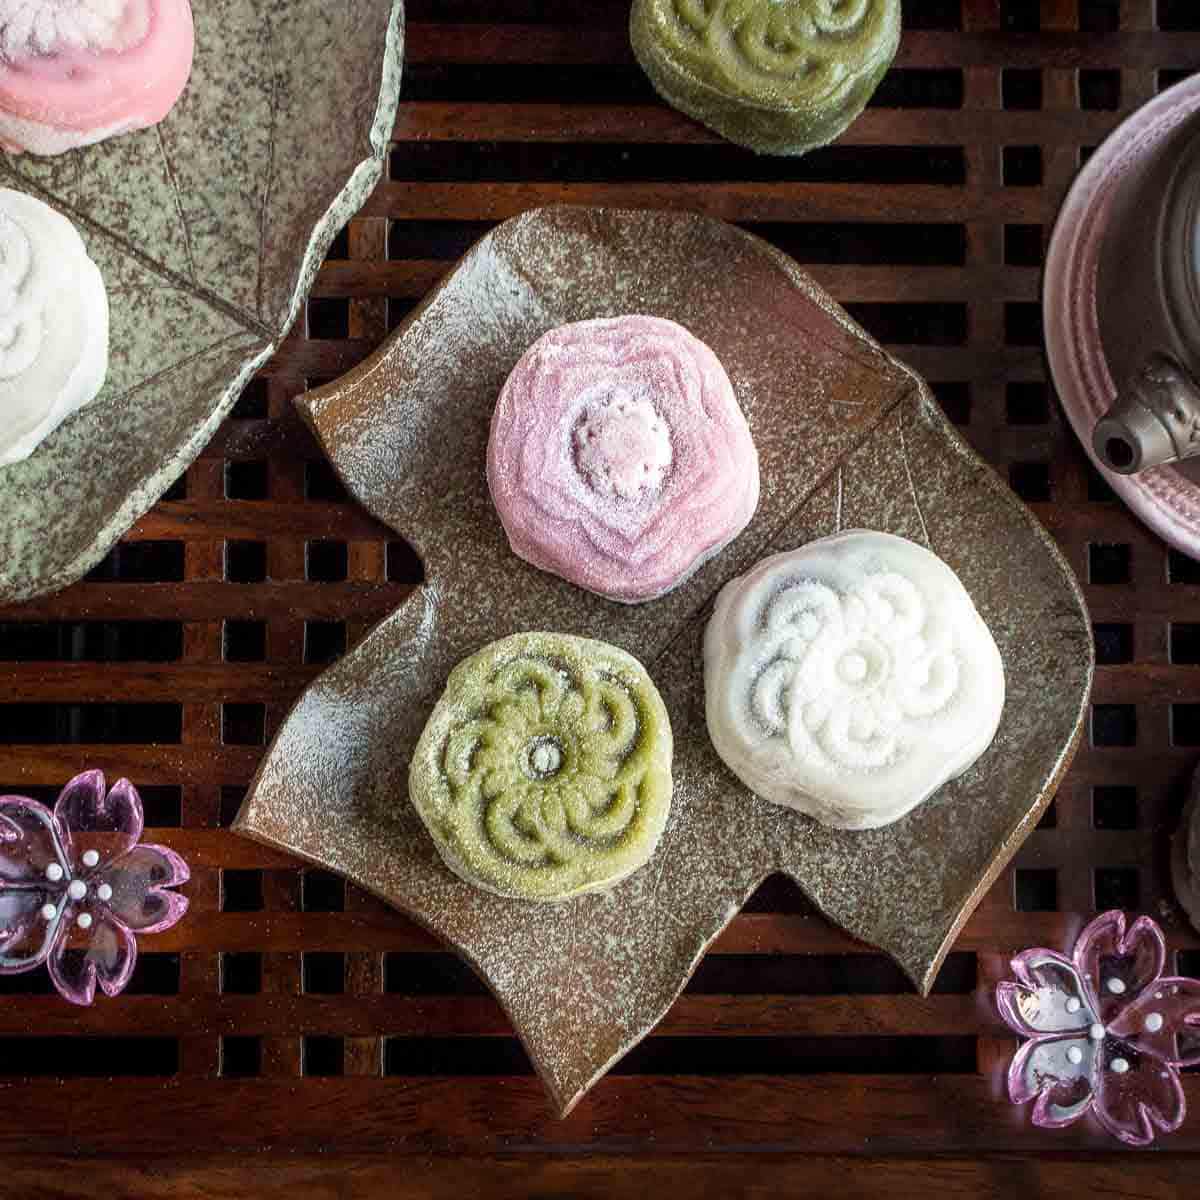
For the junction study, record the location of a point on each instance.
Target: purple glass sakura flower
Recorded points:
(1108, 1031)
(75, 886)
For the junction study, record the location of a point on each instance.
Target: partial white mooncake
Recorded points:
(53, 324)
(851, 678)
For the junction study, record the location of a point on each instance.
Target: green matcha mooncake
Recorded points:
(545, 769)
(779, 76)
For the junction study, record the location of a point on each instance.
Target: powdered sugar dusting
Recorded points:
(622, 444)
(41, 27)
(619, 457)
(850, 678)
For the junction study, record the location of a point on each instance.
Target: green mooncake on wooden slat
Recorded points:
(545, 769)
(779, 76)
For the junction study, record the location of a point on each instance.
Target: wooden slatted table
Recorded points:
(294, 1015)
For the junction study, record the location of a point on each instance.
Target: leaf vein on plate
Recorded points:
(183, 221)
(912, 487)
(264, 212)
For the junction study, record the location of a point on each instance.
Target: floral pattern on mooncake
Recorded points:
(780, 76)
(619, 457)
(850, 678)
(54, 324)
(545, 769)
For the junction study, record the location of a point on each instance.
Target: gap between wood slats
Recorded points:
(325, 359)
(412, 279)
(822, 1113)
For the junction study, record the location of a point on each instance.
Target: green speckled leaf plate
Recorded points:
(208, 230)
(847, 437)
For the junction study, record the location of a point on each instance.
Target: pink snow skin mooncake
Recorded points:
(74, 72)
(619, 458)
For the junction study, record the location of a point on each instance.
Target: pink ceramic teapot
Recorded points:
(1148, 310)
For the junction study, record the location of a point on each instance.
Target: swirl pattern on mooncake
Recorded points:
(545, 769)
(73, 72)
(619, 458)
(781, 76)
(53, 324)
(850, 678)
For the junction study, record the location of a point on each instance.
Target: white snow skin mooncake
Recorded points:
(851, 678)
(53, 324)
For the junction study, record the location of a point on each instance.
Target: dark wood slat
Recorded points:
(637, 124)
(597, 1177)
(749, 933)
(254, 519)
(481, 1016)
(732, 201)
(98, 682)
(817, 1113)
(47, 766)
(579, 45)
(207, 601)
(849, 284)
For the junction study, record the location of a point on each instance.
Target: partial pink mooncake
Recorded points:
(619, 458)
(73, 72)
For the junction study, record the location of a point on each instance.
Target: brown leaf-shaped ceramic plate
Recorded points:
(208, 230)
(847, 437)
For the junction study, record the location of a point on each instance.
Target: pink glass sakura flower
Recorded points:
(1108, 1031)
(75, 886)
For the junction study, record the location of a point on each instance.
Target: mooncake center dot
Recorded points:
(545, 758)
(853, 668)
(623, 446)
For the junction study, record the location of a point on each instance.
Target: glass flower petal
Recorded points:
(107, 959)
(106, 823)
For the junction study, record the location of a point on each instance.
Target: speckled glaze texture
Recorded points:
(777, 76)
(208, 230)
(847, 437)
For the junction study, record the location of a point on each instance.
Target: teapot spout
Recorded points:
(1155, 419)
